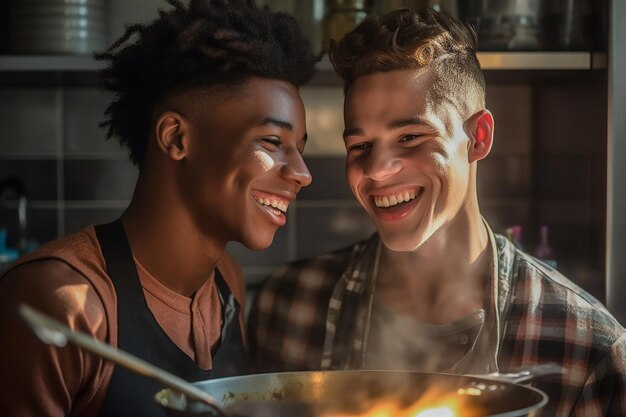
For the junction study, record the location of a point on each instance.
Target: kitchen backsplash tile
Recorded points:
(84, 110)
(29, 120)
(575, 131)
(502, 213)
(504, 176)
(77, 218)
(99, 179)
(324, 228)
(41, 225)
(37, 176)
(513, 123)
(329, 181)
(552, 171)
(572, 213)
(276, 254)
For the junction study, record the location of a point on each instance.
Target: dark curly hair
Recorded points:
(408, 39)
(206, 43)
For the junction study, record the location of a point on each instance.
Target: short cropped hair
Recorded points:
(406, 39)
(197, 44)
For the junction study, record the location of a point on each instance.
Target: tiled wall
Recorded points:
(51, 141)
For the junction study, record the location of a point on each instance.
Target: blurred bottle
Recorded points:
(514, 234)
(544, 250)
(342, 17)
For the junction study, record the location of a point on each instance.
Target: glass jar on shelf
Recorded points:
(341, 18)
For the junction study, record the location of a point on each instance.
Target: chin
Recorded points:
(400, 242)
(258, 243)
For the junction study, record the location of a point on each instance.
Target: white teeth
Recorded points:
(280, 205)
(394, 199)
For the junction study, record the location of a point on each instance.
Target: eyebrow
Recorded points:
(282, 124)
(277, 122)
(409, 122)
(396, 124)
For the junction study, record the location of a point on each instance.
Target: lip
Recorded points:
(398, 212)
(271, 212)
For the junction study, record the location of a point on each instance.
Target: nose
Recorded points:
(295, 170)
(380, 164)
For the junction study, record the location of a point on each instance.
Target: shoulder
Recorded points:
(64, 278)
(80, 249)
(307, 283)
(64, 244)
(55, 288)
(558, 303)
(321, 270)
(48, 281)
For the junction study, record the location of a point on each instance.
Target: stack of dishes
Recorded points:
(58, 26)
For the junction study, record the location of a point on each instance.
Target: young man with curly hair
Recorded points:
(207, 101)
(434, 289)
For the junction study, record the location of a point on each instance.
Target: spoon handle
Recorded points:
(54, 332)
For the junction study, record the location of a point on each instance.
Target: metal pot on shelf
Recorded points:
(57, 26)
(529, 24)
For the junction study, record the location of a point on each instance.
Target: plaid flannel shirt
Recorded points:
(306, 317)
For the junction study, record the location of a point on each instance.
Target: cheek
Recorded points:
(353, 176)
(264, 160)
(254, 165)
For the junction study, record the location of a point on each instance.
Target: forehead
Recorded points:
(407, 86)
(263, 95)
(387, 96)
(260, 107)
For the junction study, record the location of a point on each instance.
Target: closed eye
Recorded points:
(410, 138)
(275, 142)
(359, 146)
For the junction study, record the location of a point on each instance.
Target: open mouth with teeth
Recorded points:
(273, 205)
(395, 200)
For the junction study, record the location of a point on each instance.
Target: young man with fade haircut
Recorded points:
(434, 290)
(207, 101)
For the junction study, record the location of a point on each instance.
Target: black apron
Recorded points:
(131, 395)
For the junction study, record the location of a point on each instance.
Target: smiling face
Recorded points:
(244, 165)
(407, 156)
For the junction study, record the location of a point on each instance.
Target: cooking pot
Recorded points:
(353, 392)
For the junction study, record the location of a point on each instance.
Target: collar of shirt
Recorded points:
(349, 310)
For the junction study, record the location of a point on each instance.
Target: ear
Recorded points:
(170, 129)
(479, 129)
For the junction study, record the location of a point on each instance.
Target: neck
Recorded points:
(167, 242)
(445, 279)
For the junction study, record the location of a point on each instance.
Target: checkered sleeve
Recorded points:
(551, 319)
(604, 392)
(287, 321)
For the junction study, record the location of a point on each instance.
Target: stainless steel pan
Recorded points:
(353, 392)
